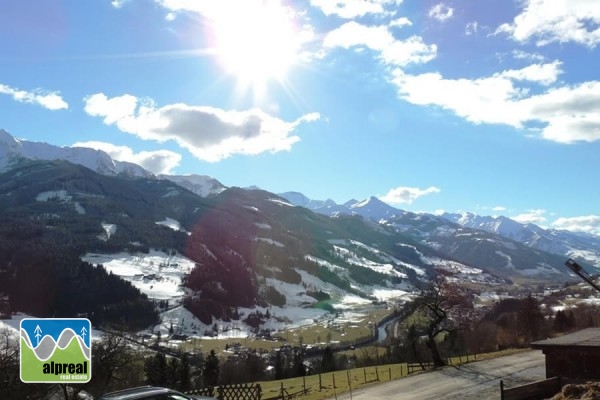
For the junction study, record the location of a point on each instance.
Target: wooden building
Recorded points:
(572, 356)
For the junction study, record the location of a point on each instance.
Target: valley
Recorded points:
(186, 267)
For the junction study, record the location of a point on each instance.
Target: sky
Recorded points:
(491, 107)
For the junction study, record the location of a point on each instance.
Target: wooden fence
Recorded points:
(231, 392)
(338, 380)
(532, 391)
(412, 367)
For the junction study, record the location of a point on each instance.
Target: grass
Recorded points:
(311, 335)
(322, 386)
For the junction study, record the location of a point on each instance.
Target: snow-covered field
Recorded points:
(159, 275)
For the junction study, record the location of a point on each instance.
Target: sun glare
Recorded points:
(256, 42)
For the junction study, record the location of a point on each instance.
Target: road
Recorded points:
(474, 381)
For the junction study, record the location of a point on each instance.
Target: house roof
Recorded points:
(586, 338)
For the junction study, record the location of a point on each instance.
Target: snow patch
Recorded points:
(171, 223)
(61, 195)
(109, 229)
(270, 241)
(281, 202)
(261, 225)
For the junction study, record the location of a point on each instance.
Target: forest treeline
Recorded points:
(42, 277)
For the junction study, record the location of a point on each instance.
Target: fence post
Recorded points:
(333, 375)
(401, 373)
(501, 390)
(282, 391)
(390, 372)
(258, 391)
(377, 373)
(365, 373)
(320, 385)
(349, 383)
(304, 383)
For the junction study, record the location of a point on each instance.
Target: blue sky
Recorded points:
(487, 106)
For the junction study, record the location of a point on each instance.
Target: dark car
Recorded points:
(150, 393)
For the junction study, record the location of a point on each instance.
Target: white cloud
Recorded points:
(471, 28)
(157, 162)
(531, 217)
(566, 113)
(209, 133)
(350, 9)
(50, 100)
(481, 100)
(114, 109)
(499, 208)
(588, 224)
(441, 12)
(378, 38)
(562, 21)
(406, 195)
(544, 74)
(523, 55)
(118, 3)
(400, 22)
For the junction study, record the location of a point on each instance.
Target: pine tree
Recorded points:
(327, 360)
(211, 370)
(185, 377)
(156, 370)
(278, 365)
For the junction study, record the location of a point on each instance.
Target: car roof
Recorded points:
(137, 392)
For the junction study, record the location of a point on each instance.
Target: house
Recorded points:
(572, 356)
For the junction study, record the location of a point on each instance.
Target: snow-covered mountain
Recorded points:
(572, 244)
(13, 151)
(371, 208)
(326, 207)
(428, 227)
(375, 209)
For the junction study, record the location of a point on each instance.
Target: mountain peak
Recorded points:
(371, 201)
(7, 138)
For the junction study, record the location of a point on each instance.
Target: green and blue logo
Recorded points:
(56, 350)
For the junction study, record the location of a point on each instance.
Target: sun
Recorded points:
(256, 41)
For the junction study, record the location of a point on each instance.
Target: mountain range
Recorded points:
(578, 245)
(250, 247)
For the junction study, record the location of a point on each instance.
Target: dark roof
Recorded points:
(587, 338)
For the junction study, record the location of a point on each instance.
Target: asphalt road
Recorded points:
(478, 380)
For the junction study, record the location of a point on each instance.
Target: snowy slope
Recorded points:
(202, 185)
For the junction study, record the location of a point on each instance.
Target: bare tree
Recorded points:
(11, 386)
(446, 308)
